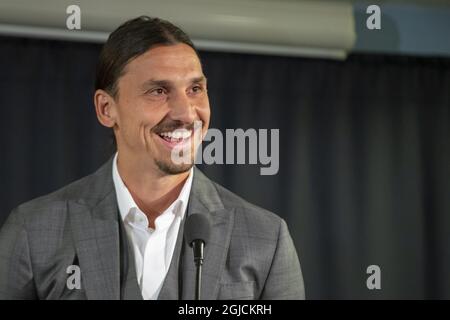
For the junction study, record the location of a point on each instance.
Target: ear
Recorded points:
(105, 107)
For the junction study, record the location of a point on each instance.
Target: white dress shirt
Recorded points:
(153, 248)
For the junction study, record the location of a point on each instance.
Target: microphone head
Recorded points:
(197, 227)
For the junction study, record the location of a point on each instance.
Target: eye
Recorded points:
(197, 89)
(156, 92)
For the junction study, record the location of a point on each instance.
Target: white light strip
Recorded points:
(226, 46)
(53, 33)
(208, 45)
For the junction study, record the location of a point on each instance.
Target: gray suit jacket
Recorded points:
(250, 254)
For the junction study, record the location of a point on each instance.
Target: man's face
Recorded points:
(161, 91)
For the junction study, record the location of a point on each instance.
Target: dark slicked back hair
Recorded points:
(129, 41)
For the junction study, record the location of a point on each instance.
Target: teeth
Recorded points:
(177, 134)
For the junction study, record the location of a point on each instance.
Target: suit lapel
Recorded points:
(95, 229)
(171, 285)
(129, 286)
(204, 199)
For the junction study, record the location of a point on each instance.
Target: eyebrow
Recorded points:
(168, 83)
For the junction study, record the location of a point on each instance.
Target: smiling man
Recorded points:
(118, 233)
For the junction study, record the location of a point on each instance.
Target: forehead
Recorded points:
(165, 62)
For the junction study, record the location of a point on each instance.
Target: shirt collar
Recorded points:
(127, 204)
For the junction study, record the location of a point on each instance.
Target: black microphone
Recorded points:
(196, 234)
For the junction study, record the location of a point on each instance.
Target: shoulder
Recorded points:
(49, 205)
(53, 206)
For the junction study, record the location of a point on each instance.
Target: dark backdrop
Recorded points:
(364, 153)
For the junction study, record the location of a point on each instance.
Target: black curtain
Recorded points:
(364, 175)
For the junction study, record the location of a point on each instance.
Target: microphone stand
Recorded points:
(198, 281)
(198, 245)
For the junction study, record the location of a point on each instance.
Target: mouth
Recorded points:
(176, 138)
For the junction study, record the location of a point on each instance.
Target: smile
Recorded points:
(175, 138)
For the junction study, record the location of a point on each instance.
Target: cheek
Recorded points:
(204, 113)
(136, 121)
(149, 115)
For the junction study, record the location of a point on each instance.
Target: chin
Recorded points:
(168, 167)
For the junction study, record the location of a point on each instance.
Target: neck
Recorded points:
(152, 191)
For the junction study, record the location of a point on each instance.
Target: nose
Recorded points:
(182, 108)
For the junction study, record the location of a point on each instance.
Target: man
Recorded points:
(118, 233)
